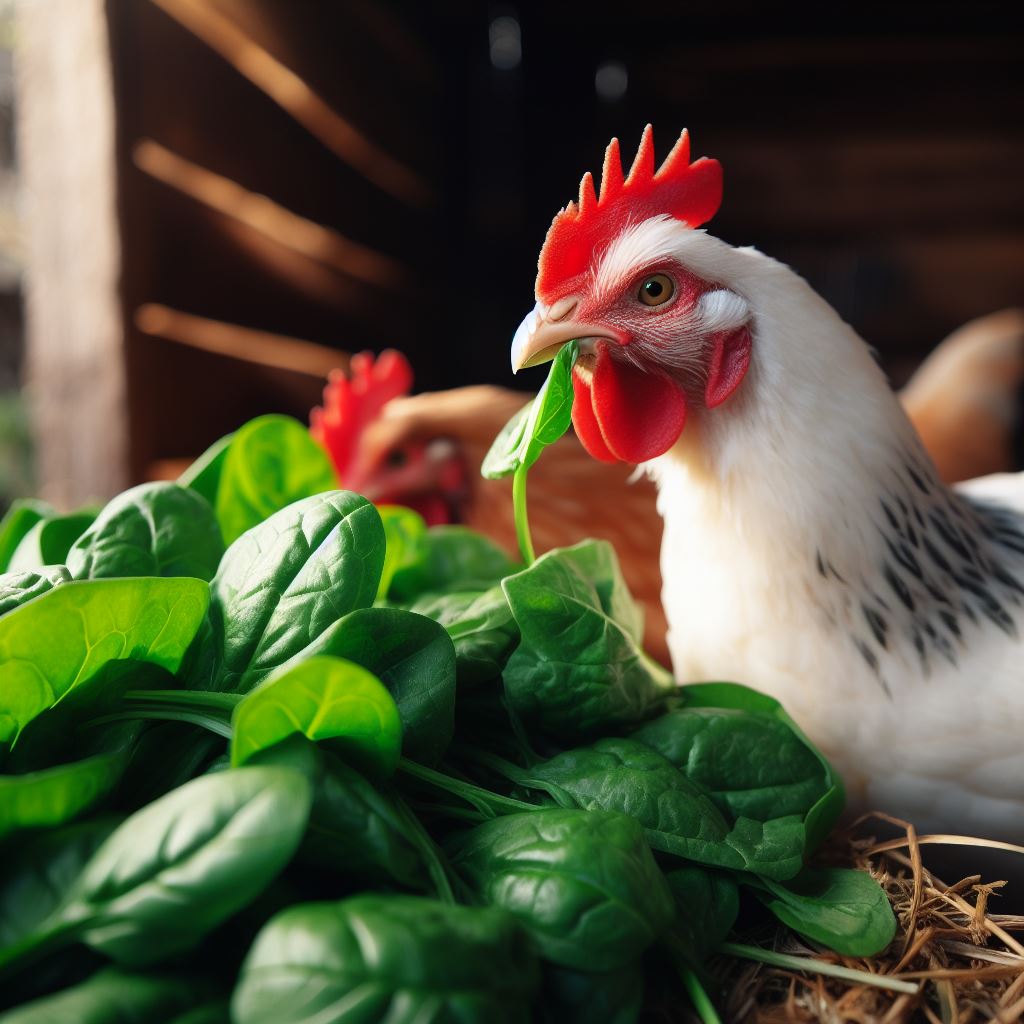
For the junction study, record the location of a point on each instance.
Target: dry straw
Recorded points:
(954, 959)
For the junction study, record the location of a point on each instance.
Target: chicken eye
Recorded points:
(656, 290)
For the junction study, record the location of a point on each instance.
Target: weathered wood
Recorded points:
(75, 336)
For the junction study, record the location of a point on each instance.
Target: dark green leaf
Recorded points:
(269, 464)
(538, 424)
(821, 818)
(414, 658)
(583, 883)
(404, 530)
(40, 872)
(23, 514)
(678, 817)
(750, 763)
(322, 698)
(395, 958)
(98, 622)
(580, 669)
(288, 580)
(155, 529)
(18, 588)
(451, 558)
(354, 829)
(585, 997)
(481, 626)
(203, 476)
(182, 865)
(114, 997)
(49, 541)
(845, 910)
(707, 904)
(56, 795)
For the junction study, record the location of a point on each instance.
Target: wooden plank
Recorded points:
(75, 337)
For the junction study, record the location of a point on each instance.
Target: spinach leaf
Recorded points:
(354, 829)
(49, 541)
(98, 622)
(844, 909)
(678, 817)
(323, 699)
(451, 558)
(56, 795)
(155, 529)
(707, 905)
(580, 669)
(750, 763)
(185, 863)
(587, 997)
(373, 958)
(203, 476)
(288, 580)
(482, 629)
(18, 588)
(821, 818)
(539, 423)
(583, 883)
(111, 996)
(414, 658)
(23, 514)
(404, 530)
(40, 872)
(270, 463)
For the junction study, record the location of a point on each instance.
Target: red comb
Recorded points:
(688, 192)
(353, 400)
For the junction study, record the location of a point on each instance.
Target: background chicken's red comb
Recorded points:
(688, 192)
(355, 399)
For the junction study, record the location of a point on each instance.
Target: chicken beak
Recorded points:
(545, 330)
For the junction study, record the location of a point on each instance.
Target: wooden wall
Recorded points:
(876, 148)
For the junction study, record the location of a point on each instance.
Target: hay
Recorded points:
(965, 959)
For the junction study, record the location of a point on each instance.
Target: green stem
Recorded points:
(522, 520)
(224, 702)
(700, 999)
(427, 849)
(803, 963)
(217, 725)
(488, 803)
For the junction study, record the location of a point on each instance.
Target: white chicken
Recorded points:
(810, 549)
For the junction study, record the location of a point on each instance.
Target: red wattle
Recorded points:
(727, 364)
(585, 422)
(632, 414)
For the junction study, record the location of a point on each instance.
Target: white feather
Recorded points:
(791, 468)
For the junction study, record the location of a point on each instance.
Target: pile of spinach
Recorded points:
(272, 754)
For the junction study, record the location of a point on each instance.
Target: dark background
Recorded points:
(878, 149)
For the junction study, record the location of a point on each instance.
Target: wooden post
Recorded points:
(75, 368)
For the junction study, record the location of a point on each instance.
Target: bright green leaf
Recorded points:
(270, 463)
(49, 541)
(56, 795)
(415, 659)
(322, 698)
(404, 530)
(23, 514)
(155, 529)
(538, 424)
(96, 622)
(288, 580)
